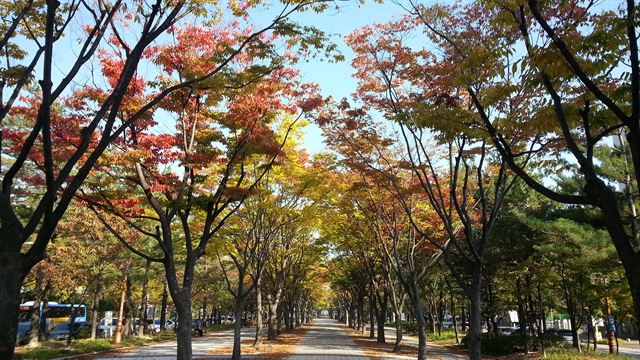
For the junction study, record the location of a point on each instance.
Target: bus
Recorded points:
(56, 313)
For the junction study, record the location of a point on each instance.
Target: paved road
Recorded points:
(631, 351)
(167, 350)
(326, 340)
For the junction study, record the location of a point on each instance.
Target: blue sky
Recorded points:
(335, 79)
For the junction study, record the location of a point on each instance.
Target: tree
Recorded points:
(80, 261)
(36, 149)
(579, 75)
(457, 170)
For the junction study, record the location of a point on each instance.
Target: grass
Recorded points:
(446, 337)
(221, 327)
(56, 349)
(571, 354)
(565, 354)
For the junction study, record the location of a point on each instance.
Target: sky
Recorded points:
(335, 79)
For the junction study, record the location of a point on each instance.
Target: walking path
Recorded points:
(167, 350)
(326, 340)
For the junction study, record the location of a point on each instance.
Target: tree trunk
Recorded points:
(463, 318)
(34, 328)
(440, 312)
(522, 317)
(382, 319)
(128, 310)
(163, 309)
(543, 319)
(279, 321)
(475, 322)
(95, 306)
(589, 330)
(42, 332)
(432, 319)
(422, 328)
(372, 316)
(72, 322)
(397, 347)
(273, 315)
(616, 227)
(258, 340)
(595, 338)
(453, 316)
(117, 338)
(145, 300)
(574, 335)
(183, 327)
(237, 326)
(10, 283)
(418, 312)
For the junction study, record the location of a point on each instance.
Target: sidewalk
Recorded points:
(167, 350)
(326, 340)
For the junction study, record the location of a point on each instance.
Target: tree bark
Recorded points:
(237, 326)
(453, 315)
(397, 346)
(258, 340)
(382, 317)
(522, 317)
(95, 306)
(183, 309)
(117, 338)
(372, 316)
(163, 309)
(145, 300)
(416, 301)
(475, 322)
(10, 283)
(279, 321)
(34, 328)
(273, 315)
(128, 310)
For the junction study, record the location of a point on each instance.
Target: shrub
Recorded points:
(445, 335)
(93, 345)
(497, 345)
(410, 327)
(550, 341)
(84, 333)
(573, 354)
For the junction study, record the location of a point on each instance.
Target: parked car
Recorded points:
(156, 326)
(150, 327)
(517, 332)
(102, 327)
(63, 330)
(507, 330)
